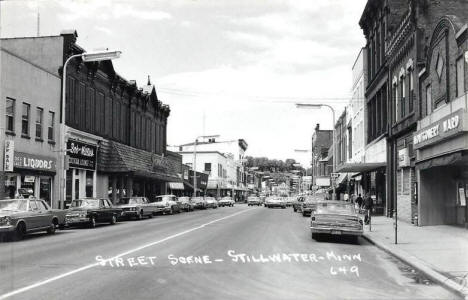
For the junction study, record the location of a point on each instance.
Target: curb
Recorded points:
(421, 266)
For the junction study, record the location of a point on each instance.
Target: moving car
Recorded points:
(135, 207)
(226, 201)
(211, 202)
(275, 202)
(289, 201)
(185, 203)
(21, 216)
(336, 218)
(253, 200)
(199, 202)
(90, 211)
(167, 204)
(297, 203)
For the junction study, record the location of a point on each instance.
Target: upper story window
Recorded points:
(25, 119)
(208, 167)
(460, 76)
(50, 127)
(428, 99)
(39, 122)
(10, 115)
(402, 97)
(410, 90)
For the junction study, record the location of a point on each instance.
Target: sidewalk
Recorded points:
(441, 252)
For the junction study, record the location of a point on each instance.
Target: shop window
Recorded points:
(50, 127)
(44, 190)
(10, 186)
(68, 189)
(39, 121)
(10, 115)
(89, 183)
(25, 119)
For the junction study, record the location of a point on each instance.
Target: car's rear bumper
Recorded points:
(336, 231)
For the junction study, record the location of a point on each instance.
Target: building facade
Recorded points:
(321, 165)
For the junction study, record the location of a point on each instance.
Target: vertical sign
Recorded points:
(9, 156)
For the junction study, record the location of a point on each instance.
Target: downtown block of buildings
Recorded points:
(403, 137)
(115, 131)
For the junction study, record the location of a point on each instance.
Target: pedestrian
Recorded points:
(368, 205)
(359, 201)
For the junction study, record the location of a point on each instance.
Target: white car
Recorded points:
(166, 204)
(226, 201)
(275, 202)
(211, 202)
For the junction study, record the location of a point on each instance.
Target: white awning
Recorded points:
(176, 185)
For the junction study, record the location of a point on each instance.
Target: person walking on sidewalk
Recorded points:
(368, 205)
(359, 201)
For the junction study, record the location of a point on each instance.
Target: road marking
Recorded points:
(55, 278)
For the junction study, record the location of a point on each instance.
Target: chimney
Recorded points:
(317, 127)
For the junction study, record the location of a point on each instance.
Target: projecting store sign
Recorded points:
(81, 155)
(9, 156)
(440, 130)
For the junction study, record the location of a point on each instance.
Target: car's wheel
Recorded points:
(150, 216)
(113, 220)
(140, 215)
(171, 212)
(92, 222)
(20, 231)
(295, 209)
(51, 229)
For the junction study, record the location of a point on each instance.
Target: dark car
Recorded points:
(310, 204)
(90, 211)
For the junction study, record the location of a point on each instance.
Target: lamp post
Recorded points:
(86, 57)
(318, 106)
(195, 161)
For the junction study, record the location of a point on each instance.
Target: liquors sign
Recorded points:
(81, 155)
(34, 162)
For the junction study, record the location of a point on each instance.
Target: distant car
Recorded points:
(253, 200)
(336, 218)
(185, 204)
(90, 211)
(310, 204)
(226, 201)
(21, 216)
(135, 207)
(275, 202)
(199, 202)
(166, 204)
(289, 201)
(211, 202)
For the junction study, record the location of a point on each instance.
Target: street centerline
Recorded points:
(87, 267)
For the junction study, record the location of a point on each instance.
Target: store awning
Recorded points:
(342, 178)
(176, 185)
(359, 167)
(445, 160)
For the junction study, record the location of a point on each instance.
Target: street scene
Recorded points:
(234, 150)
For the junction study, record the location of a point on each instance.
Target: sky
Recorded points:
(233, 68)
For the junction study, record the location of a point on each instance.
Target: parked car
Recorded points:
(289, 201)
(297, 203)
(199, 202)
(226, 201)
(90, 211)
(211, 202)
(253, 200)
(167, 204)
(135, 207)
(336, 218)
(310, 204)
(185, 203)
(21, 216)
(275, 202)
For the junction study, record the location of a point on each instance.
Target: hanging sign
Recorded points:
(9, 156)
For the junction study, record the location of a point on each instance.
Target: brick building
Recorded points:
(322, 165)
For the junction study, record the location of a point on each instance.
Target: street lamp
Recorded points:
(85, 57)
(195, 160)
(318, 106)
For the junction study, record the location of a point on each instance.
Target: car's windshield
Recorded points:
(127, 201)
(6, 205)
(85, 203)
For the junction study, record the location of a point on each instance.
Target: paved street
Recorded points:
(281, 261)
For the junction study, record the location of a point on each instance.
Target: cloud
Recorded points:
(104, 30)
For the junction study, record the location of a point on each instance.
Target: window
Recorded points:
(411, 91)
(460, 76)
(50, 127)
(402, 97)
(208, 167)
(428, 99)
(395, 101)
(39, 117)
(25, 119)
(10, 115)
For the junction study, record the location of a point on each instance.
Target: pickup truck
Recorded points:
(21, 216)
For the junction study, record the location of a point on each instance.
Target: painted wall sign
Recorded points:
(440, 130)
(81, 155)
(9, 156)
(34, 162)
(403, 158)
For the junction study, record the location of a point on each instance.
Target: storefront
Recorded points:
(32, 175)
(81, 172)
(442, 169)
